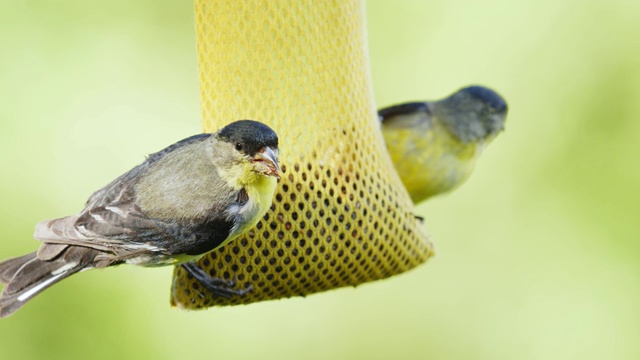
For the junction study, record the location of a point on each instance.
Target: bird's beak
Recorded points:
(266, 162)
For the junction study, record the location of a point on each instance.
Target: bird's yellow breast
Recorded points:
(429, 162)
(260, 190)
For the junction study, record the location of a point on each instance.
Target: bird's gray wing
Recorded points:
(413, 116)
(412, 108)
(111, 219)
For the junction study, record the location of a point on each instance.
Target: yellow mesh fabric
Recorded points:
(340, 216)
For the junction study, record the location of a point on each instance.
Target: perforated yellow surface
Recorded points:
(340, 216)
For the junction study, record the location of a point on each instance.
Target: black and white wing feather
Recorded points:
(111, 221)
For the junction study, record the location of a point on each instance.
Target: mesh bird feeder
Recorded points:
(340, 216)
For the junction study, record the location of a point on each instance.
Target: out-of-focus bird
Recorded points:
(182, 202)
(434, 145)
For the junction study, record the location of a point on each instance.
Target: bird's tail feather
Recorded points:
(10, 267)
(26, 276)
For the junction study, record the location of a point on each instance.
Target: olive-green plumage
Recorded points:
(434, 145)
(182, 202)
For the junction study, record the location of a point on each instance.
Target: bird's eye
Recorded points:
(238, 146)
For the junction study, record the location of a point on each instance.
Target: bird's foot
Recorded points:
(219, 287)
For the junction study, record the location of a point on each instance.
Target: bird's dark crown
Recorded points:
(249, 136)
(473, 113)
(485, 96)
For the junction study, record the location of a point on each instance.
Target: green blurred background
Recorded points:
(537, 253)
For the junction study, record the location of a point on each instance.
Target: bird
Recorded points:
(434, 145)
(186, 200)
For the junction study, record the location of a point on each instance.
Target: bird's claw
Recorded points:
(219, 287)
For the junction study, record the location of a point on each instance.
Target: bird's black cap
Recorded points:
(472, 113)
(249, 136)
(486, 96)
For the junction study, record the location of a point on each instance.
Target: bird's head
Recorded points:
(472, 113)
(253, 143)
